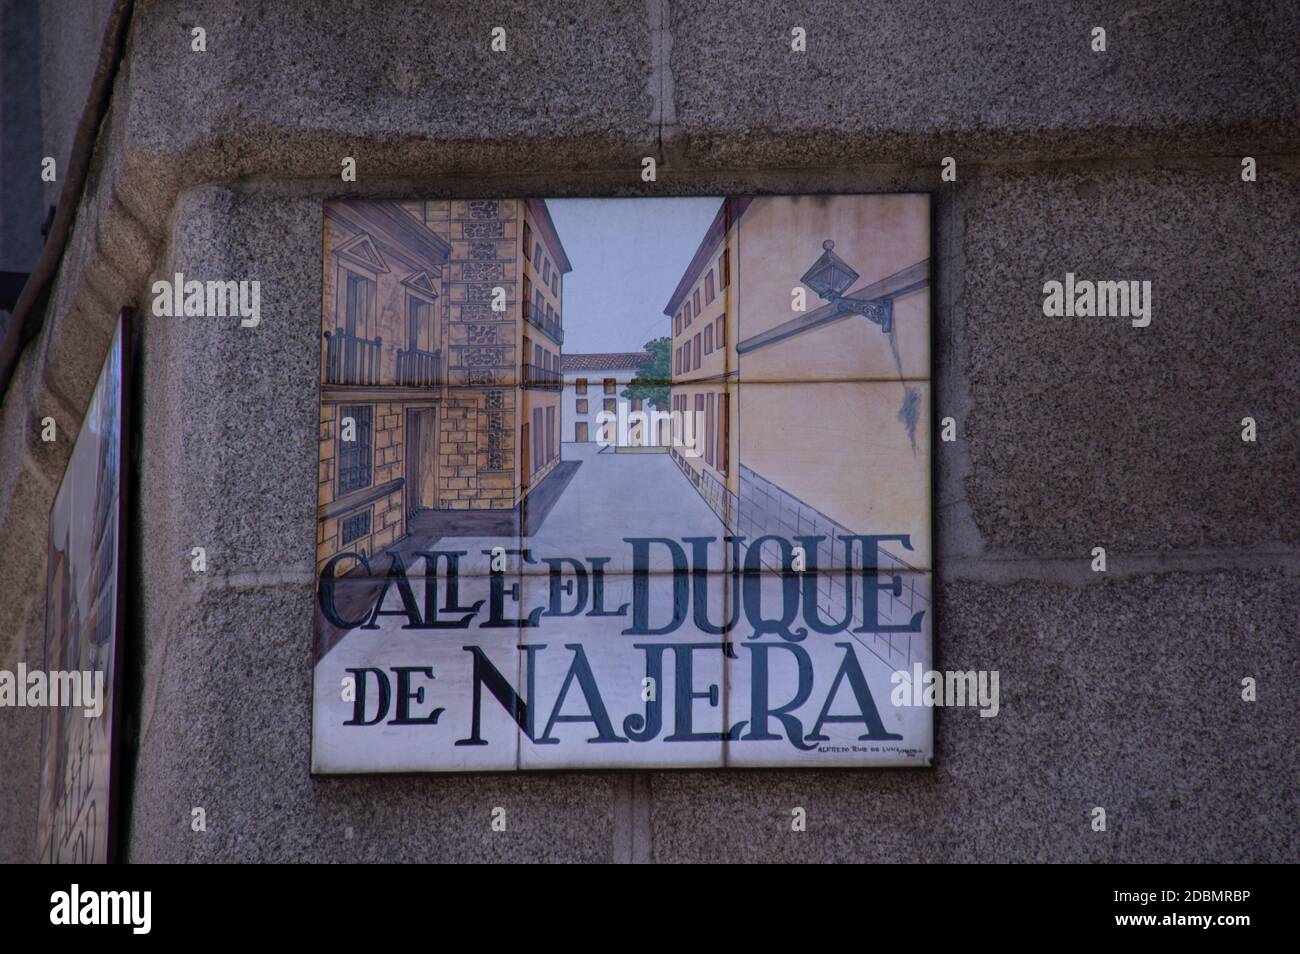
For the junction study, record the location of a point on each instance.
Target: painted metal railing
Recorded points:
(351, 360)
(419, 369)
(539, 377)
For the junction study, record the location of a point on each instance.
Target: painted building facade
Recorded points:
(702, 313)
(830, 376)
(806, 403)
(593, 384)
(442, 334)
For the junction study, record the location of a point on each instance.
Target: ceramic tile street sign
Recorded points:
(82, 672)
(623, 483)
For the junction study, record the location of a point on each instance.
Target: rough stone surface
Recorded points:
(888, 81)
(434, 94)
(1090, 432)
(1119, 690)
(232, 412)
(1124, 694)
(27, 496)
(20, 736)
(226, 726)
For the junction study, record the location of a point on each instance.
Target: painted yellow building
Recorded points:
(542, 337)
(702, 312)
(834, 404)
(818, 393)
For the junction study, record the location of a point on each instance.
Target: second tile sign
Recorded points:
(623, 483)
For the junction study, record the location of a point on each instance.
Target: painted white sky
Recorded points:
(627, 257)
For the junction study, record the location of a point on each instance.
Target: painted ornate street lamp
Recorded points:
(830, 276)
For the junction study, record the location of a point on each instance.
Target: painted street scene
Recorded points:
(623, 483)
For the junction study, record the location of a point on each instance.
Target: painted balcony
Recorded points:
(419, 369)
(544, 378)
(351, 360)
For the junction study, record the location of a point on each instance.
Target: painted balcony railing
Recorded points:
(552, 328)
(419, 369)
(351, 360)
(539, 377)
(549, 326)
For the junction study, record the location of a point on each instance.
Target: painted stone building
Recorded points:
(442, 335)
(541, 271)
(592, 386)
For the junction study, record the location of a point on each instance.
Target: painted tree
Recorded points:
(654, 375)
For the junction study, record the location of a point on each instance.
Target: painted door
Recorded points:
(421, 459)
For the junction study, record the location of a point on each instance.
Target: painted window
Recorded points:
(724, 425)
(354, 527)
(419, 324)
(355, 455)
(708, 432)
(537, 439)
(358, 304)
